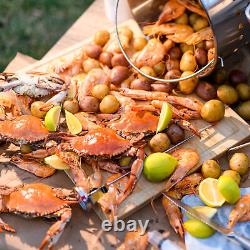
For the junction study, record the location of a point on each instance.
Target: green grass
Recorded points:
(33, 26)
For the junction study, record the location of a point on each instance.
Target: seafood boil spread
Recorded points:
(93, 115)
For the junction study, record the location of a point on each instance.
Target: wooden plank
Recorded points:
(215, 142)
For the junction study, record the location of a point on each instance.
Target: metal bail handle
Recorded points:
(210, 64)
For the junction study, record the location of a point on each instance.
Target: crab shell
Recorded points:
(23, 129)
(36, 199)
(136, 122)
(102, 142)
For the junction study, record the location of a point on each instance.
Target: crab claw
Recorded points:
(55, 231)
(135, 172)
(6, 227)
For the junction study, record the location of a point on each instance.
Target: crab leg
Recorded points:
(186, 125)
(55, 231)
(35, 167)
(135, 173)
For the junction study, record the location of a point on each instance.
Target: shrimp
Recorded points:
(144, 95)
(153, 53)
(84, 119)
(199, 36)
(134, 241)
(194, 7)
(187, 160)
(171, 10)
(108, 201)
(184, 113)
(188, 185)
(177, 33)
(241, 211)
(187, 102)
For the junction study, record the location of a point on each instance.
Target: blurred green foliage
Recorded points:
(33, 26)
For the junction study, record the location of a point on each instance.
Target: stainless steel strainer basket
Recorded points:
(229, 20)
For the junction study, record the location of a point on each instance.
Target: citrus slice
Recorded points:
(52, 117)
(198, 229)
(209, 193)
(206, 211)
(55, 162)
(73, 123)
(165, 117)
(229, 189)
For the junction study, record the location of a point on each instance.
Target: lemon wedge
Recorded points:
(206, 211)
(165, 117)
(52, 117)
(210, 194)
(55, 162)
(73, 123)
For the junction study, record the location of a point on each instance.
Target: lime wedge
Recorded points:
(206, 211)
(73, 123)
(210, 194)
(198, 229)
(165, 117)
(55, 162)
(52, 118)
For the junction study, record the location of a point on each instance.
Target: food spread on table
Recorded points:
(94, 108)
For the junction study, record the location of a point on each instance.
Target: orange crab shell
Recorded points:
(25, 128)
(99, 142)
(36, 198)
(136, 122)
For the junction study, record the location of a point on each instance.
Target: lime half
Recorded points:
(52, 118)
(55, 162)
(229, 189)
(198, 229)
(165, 117)
(206, 211)
(210, 194)
(73, 123)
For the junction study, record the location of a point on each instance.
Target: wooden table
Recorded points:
(84, 230)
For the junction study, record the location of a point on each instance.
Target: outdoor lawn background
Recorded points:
(33, 26)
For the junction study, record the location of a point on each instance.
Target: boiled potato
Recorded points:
(175, 133)
(71, 105)
(211, 169)
(187, 86)
(173, 74)
(206, 91)
(99, 91)
(188, 62)
(105, 58)
(237, 76)
(109, 104)
(172, 64)
(175, 53)
(227, 94)
(159, 68)
(200, 23)
(101, 37)
(90, 64)
(244, 110)
(140, 84)
(243, 90)
(162, 87)
(213, 111)
(183, 19)
(89, 104)
(220, 76)
(192, 18)
(93, 50)
(159, 142)
(139, 43)
(127, 32)
(240, 163)
(201, 56)
(119, 74)
(148, 71)
(184, 47)
(119, 60)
